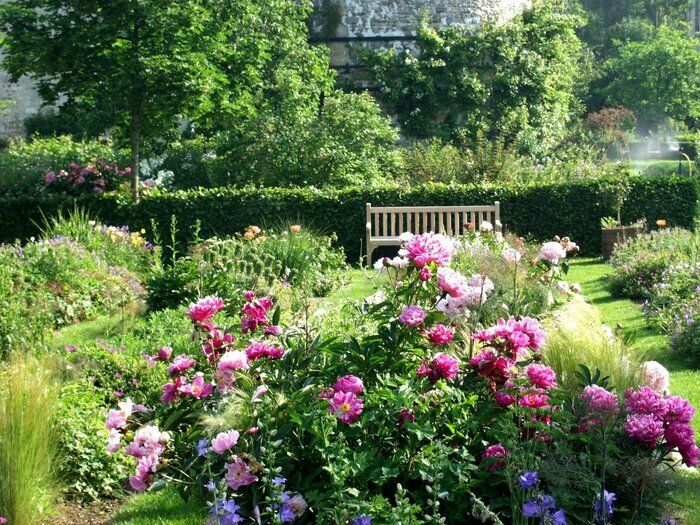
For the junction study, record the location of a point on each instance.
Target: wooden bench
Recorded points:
(385, 224)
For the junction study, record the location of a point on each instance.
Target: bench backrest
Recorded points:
(392, 221)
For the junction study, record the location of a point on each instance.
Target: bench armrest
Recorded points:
(368, 226)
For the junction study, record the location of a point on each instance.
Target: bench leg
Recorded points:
(370, 250)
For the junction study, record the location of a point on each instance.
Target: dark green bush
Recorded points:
(541, 211)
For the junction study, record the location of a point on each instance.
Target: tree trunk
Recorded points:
(135, 132)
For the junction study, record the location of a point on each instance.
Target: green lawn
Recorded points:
(162, 507)
(627, 317)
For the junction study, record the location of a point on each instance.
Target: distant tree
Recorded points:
(140, 66)
(657, 79)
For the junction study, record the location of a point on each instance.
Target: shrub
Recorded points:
(24, 164)
(28, 401)
(687, 340)
(96, 178)
(85, 469)
(542, 211)
(639, 264)
(256, 260)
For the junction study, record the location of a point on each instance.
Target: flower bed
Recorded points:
(444, 413)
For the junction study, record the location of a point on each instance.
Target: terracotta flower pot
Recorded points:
(613, 236)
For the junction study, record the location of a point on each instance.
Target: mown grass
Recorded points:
(161, 507)
(626, 316)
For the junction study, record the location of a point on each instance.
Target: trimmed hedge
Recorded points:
(542, 212)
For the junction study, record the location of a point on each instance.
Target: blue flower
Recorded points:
(559, 518)
(362, 520)
(528, 480)
(609, 500)
(531, 509)
(202, 447)
(279, 481)
(226, 512)
(544, 507)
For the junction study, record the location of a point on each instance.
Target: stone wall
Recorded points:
(22, 101)
(346, 25)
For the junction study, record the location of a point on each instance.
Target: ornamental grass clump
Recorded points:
(28, 439)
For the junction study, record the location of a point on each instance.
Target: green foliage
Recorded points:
(254, 261)
(24, 164)
(28, 440)
(670, 88)
(85, 469)
(687, 341)
(639, 264)
(542, 211)
(514, 81)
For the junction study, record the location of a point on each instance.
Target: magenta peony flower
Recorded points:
(260, 350)
(238, 474)
(440, 335)
(646, 401)
(345, 406)
(412, 316)
(180, 364)
(442, 366)
(233, 360)
(205, 308)
(644, 428)
(494, 451)
(224, 441)
(427, 248)
(164, 353)
(425, 274)
(679, 410)
(255, 312)
(541, 376)
(600, 400)
(349, 383)
(504, 399)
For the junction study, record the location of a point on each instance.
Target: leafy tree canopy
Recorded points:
(515, 81)
(658, 78)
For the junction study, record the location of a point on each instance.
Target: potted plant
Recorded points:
(613, 231)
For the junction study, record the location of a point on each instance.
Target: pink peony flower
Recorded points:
(425, 274)
(113, 442)
(495, 451)
(600, 400)
(238, 474)
(148, 442)
(552, 252)
(429, 248)
(511, 256)
(260, 350)
(144, 473)
(534, 398)
(116, 419)
(180, 364)
(233, 360)
(442, 366)
(451, 282)
(345, 406)
(412, 316)
(255, 312)
(655, 376)
(644, 428)
(541, 376)
(198, 388)
(205, 308)
(493, 367)
(215, 343)
(440, 335)
(224, 441)
(349, 383)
